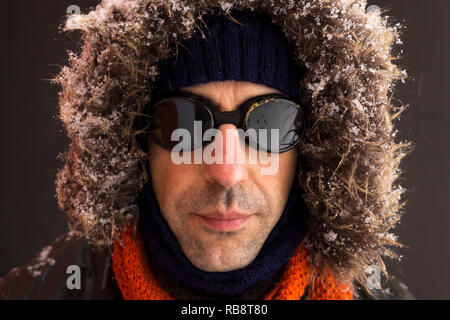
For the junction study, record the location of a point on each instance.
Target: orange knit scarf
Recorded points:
(136, 282)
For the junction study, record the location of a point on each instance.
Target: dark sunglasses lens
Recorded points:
(180, 113)
(278, 114)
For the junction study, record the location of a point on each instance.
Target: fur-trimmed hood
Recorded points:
(349, 157)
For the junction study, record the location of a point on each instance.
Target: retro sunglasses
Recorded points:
(182, 109)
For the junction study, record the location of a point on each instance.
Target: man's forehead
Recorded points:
(227, 95)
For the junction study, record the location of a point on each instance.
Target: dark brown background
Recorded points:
(32, 137)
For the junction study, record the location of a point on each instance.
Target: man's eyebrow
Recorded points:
(217, 105)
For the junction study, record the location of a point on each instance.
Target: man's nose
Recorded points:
(232, 169)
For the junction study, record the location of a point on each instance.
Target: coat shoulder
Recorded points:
(46, 276)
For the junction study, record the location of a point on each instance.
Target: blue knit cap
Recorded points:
(257, 52)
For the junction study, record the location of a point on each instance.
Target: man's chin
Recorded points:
(221, 257)
(219, 267)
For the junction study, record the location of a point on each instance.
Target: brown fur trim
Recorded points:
(350, 161)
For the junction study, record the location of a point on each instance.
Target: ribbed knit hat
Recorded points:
(256, 51)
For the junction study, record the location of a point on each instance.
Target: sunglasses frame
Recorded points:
(236, 117)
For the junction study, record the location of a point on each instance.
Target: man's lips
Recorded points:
(224, 221)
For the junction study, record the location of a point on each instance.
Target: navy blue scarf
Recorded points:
(164, 249)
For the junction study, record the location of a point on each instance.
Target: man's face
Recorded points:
(222, 213)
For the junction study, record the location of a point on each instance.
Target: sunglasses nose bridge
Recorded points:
(228, 117)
